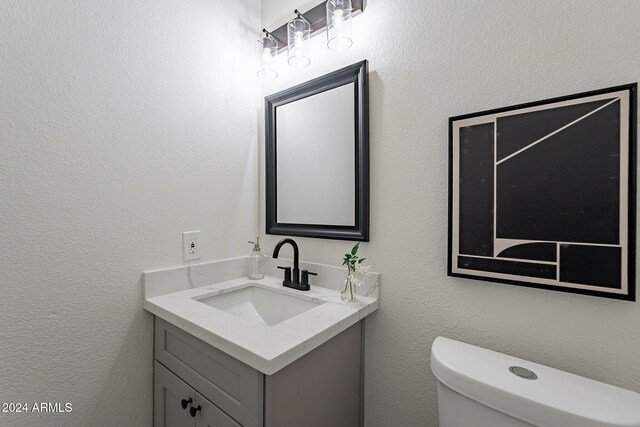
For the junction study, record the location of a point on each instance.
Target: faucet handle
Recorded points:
(304, 280)
(287, 273)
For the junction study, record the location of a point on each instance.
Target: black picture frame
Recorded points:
(357, 74)
(543, 194)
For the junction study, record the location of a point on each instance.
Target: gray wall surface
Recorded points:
(122, 124)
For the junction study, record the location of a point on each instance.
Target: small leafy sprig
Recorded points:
(352, 260)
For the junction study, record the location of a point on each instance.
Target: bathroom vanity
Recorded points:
(242, 352)
(218, 390)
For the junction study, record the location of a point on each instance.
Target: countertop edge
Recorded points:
(265, 366)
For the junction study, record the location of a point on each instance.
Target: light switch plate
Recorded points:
(191, 245)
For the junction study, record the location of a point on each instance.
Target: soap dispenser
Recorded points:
(256, 261)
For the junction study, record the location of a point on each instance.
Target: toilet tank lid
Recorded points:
(555, 398)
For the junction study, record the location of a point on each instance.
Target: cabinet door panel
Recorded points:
(211, 416)
(322, 388)
(231, 385)
(169, 391)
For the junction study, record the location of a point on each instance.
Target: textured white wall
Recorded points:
(430, 60)
(122, 124)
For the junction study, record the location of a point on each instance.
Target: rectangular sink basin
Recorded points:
(259, 305)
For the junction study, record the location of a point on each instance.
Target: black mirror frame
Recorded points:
(358, 74)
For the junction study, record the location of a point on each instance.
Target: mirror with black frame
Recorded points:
(317, 157)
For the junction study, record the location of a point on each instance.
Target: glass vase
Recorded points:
(348, 289)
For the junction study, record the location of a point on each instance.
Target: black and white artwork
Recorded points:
(543, 194)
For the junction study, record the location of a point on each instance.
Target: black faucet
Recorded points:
(293, 280)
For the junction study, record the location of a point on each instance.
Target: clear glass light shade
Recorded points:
(339, 32)
(268, 48)
(298, 33)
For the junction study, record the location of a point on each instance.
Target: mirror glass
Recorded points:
(317, 157)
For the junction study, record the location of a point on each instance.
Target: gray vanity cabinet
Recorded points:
(322, 388)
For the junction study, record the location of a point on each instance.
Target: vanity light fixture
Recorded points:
(333, 15)
(298, 32)
(268, 47)
(339, 33)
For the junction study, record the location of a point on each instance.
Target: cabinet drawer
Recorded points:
(233, 386)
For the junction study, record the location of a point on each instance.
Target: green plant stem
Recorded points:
(351, 289)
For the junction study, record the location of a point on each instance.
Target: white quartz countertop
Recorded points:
(265, 348)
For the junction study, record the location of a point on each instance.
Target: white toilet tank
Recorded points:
(477, 388)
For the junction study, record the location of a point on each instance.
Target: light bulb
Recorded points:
(339, 33)
(338, 17)
(266, 55)
(269, 48)
(298, 31)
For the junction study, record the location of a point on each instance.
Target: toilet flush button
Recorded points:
(523, 372)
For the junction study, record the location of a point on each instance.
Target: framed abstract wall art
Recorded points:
(543, 194)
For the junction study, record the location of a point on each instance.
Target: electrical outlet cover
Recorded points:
(191, 245)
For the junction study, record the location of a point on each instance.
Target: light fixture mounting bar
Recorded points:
(300, 15)
(317, 17)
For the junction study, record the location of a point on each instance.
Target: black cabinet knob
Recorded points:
(193, 410)
(186, 402)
